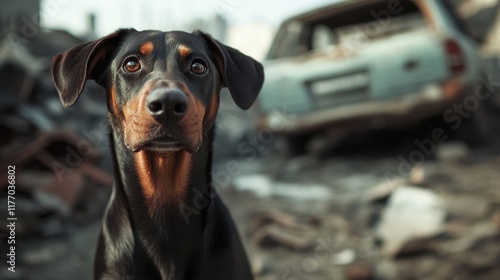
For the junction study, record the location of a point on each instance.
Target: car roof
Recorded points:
(328, 9)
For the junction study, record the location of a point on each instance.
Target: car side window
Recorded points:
(322, 37)
(289, 41)
(455, 20)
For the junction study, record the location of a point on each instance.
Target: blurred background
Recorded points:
(372, 151)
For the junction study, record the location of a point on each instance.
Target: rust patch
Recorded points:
(184, 50)
(427, 13)
(451, 89)
(146, 48)
(163, 177)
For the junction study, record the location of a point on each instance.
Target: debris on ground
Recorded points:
(442, 221)
(57, 160)
(411, 214)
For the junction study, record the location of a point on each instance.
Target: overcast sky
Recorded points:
(165, 14)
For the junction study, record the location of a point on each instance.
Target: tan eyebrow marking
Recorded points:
(184, 50)
(146, 48)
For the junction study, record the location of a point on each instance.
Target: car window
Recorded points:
(322, 37)
(335, 27)
(457, 22)
(371, 32)
(289, 40)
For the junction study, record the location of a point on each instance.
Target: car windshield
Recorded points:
(345, 27)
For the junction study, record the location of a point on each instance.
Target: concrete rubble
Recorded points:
(443, 223)
(56, 158)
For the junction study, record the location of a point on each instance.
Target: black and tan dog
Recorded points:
(163, 220)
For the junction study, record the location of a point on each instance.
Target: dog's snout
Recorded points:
(167, 104)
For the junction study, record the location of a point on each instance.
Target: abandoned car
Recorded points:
(365, 65)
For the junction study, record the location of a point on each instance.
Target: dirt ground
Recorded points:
(311, 217)
(344, 224)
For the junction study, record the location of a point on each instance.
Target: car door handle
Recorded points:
(411, 65)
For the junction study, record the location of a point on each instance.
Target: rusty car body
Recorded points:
(364, 65)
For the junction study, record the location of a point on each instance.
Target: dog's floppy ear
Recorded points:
(242, 75)
(72, 68)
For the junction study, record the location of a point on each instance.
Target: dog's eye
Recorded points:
(198, 67)
(132, 65)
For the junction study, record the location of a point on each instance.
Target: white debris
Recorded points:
(263, 186)
(345, 257)
(412, 213)
(453, 151)
(258, 184)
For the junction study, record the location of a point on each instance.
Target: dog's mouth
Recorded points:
(164, 144)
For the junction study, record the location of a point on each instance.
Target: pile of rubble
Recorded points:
(440, 222)
(58, 159)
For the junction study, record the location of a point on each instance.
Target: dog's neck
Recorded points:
(164, 182)
(166, 194)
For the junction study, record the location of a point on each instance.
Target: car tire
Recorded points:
(477, 129)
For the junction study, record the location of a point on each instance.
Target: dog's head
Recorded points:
(162, 87)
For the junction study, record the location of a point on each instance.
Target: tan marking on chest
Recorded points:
(163, 177)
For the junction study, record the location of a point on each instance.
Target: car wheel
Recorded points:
(477, 129)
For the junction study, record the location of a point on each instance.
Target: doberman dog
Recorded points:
(164, 219)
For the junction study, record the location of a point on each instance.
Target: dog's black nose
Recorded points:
(167, 104)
